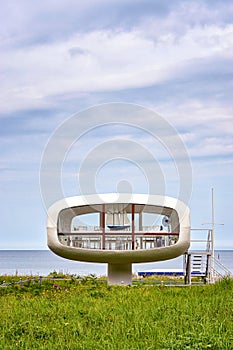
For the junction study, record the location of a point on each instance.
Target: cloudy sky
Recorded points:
(60, 58)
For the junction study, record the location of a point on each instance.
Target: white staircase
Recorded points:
(202, 263)
(199, 264)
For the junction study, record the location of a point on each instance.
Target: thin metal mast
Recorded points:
(213, 223)
(212, 237)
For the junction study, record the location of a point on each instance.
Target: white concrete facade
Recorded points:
(61, 213)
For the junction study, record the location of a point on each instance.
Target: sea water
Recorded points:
(42, 262)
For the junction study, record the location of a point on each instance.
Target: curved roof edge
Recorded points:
(114, 198)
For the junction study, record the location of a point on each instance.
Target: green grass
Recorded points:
(69, 314)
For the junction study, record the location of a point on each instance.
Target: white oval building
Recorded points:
(119, 230)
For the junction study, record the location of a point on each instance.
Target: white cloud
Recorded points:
(204, 116)
(104, 60)
(173, 56)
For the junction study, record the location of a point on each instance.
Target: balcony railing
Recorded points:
(117, 240)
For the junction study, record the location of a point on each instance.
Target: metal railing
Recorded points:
(122, 240)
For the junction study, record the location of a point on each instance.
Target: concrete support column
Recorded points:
(120, 274)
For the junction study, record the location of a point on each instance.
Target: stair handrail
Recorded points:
(225, 269)
(217, 274)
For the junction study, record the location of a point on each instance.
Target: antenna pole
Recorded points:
(212, 238)
(212, 192)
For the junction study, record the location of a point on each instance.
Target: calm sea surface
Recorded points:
(42, 262)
